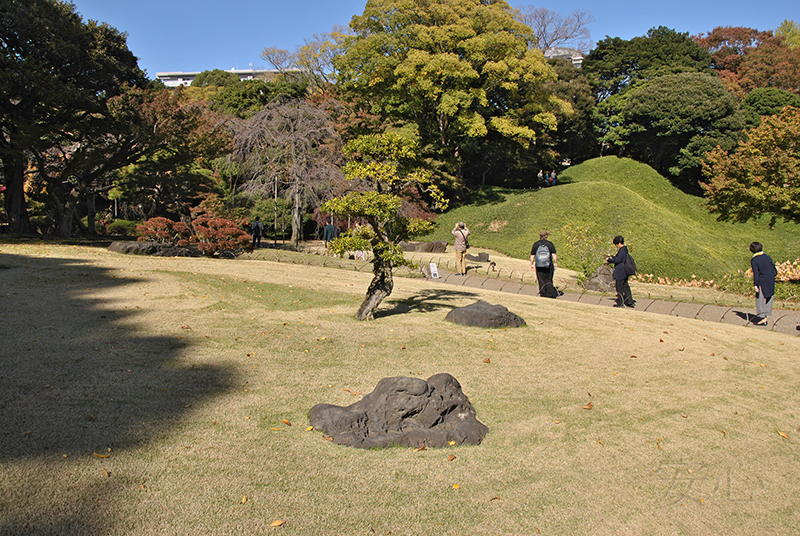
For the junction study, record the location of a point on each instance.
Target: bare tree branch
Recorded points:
(553, 29)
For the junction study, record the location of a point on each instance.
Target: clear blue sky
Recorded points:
(180, 35)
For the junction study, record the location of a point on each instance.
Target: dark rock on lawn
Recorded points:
(403, 411)
(485, 315)
(440, 246)
(480, 257)
(153, 248)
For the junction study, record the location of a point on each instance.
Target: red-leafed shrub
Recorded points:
(165, 231)
(215, 235)
(212, 235)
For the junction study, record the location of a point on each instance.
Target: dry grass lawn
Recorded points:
(143, 395)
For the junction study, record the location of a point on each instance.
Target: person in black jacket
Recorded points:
(544, 264)
(763, 282)
(624, 296)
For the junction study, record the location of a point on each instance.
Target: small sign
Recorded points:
(434, 271)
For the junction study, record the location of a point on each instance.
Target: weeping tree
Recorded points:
(389, 188)
(290, 148)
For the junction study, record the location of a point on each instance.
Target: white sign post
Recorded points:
(434, 271)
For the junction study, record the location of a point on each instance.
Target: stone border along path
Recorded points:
(782, 321)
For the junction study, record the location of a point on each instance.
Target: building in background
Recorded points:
(180, 78)
(572, 54)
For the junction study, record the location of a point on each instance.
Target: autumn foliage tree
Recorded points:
(762, 177)
(745, 59)
(385, 174)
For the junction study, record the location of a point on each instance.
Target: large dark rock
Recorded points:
(602, 280)
(153, 248)
(480, 257)
(485, 315)
(440, 246)
(403, 411)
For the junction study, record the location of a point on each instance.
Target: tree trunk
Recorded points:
(297, 218)
(65, 214)
(380, 287)
(91, 213)
(16, 209)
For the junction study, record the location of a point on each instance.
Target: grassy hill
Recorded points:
(668, 231)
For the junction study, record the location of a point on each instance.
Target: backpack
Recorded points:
(542, 256)
(629, 265)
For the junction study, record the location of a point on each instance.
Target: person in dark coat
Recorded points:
(763, 282)
(624, 297)
(258, 232)
(329, 233)
(545, 265)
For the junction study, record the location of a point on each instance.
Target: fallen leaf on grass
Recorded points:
(287, 423)
(277, 429)
(487, 360)
(588, 406)
(309, 428)
(277, 523)
(451, 457)
(723, 432)
(456, 486)
(353, 392)
(783, 435)
(421, 447)
(244, 500)
(495, 499)
(100, 455)
(327, 438)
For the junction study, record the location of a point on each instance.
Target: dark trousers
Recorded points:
(624, 296)
(546, 287)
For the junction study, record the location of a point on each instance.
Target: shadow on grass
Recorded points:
(80, 379)
(425, 302)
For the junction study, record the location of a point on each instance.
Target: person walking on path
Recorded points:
(258, 232)
(461, 246)
(544, 263)
(329, 232)
(624, 297)
(764, 273)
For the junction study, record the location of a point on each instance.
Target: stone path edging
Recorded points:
(782, 321)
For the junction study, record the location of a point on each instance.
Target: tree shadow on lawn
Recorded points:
(77, 379)
(426, 301)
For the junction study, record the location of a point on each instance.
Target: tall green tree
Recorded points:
(766, 101)
(175, 144)
(673, 120)
(386, 174)
(453, 71)
(789, 30)
(616, 64)
(762, 176)
(216, 78)
(57, 75)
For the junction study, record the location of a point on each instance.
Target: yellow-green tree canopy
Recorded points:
(386, 177)
(453, 70)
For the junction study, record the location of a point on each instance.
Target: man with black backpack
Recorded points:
(543, 261)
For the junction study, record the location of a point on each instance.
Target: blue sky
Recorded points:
(180, 35)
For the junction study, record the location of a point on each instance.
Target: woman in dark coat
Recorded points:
(763, 282)
(624, 297)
